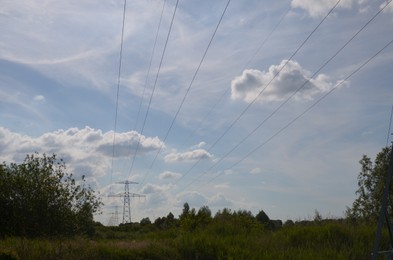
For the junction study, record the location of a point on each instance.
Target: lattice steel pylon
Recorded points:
(383, 215)
(114, 219)
(126, 199)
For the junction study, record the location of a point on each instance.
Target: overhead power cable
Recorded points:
(290, 97)
(260, 92)
(255, 54)
(150, 63)
(148, 74)
(118, 89)
(300, 115)
(188, 89)
(154, 88)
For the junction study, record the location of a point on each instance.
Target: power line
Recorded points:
(148, 73)
(118, 88)
(154, 86)
(188, 89)
(267, 38)
(303, 113)
(150, 63)
(212, 108)
(290, 97)
(261, 92)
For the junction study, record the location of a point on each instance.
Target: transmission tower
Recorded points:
(126, 199)
(114, 219)
(383, 215)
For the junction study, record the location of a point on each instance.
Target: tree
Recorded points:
(317, 216)
(145, 221)
(262, 218)
(38, 197)
(188, 218)
(204, 216)
(186, 209)
(371, 182)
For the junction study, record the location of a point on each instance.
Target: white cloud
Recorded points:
(126, 142)
(167, 175)
(219, 200)
(248, 86)
(221, 186)
(321, 7)
(153, 188)
(256, 170)
(388, 8)
(200, 145)
(157, 196)
(193, 198)
(86, 151)
(194, 155)
(39, 98)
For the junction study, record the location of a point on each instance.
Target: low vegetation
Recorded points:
(238, 236)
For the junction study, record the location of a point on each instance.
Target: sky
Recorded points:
(269, 108)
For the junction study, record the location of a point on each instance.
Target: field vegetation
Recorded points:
(235, 235)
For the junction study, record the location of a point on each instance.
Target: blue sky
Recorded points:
(59, 66)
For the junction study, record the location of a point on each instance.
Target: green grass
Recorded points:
(329, 240)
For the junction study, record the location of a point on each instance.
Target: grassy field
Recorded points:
(325, 240)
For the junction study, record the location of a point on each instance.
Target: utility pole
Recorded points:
(126, 199)
(383, 215)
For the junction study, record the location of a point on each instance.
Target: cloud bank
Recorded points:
(86, 151)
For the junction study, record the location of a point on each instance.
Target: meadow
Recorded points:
(326, 239)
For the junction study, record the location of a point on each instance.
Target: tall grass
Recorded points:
(329, 240)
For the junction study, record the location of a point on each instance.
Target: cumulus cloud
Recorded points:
(39, 98)
(156, 195)
(219, 200)
(168, 175)
(248, 85)
(322, 7)
(200, 145)
(150, 188)
(256, 170)
(197, 154)
(86, 151)
(125, 142)
(193, 198)
(221, 186)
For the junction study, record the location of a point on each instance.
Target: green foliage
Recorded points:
(166, 222)
(262, 217)
(8, 255)
(371, 182)
(38, 198)
(327, 239)
(188, 219)
(145, 221)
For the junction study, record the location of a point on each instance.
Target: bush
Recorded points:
(38, 198)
